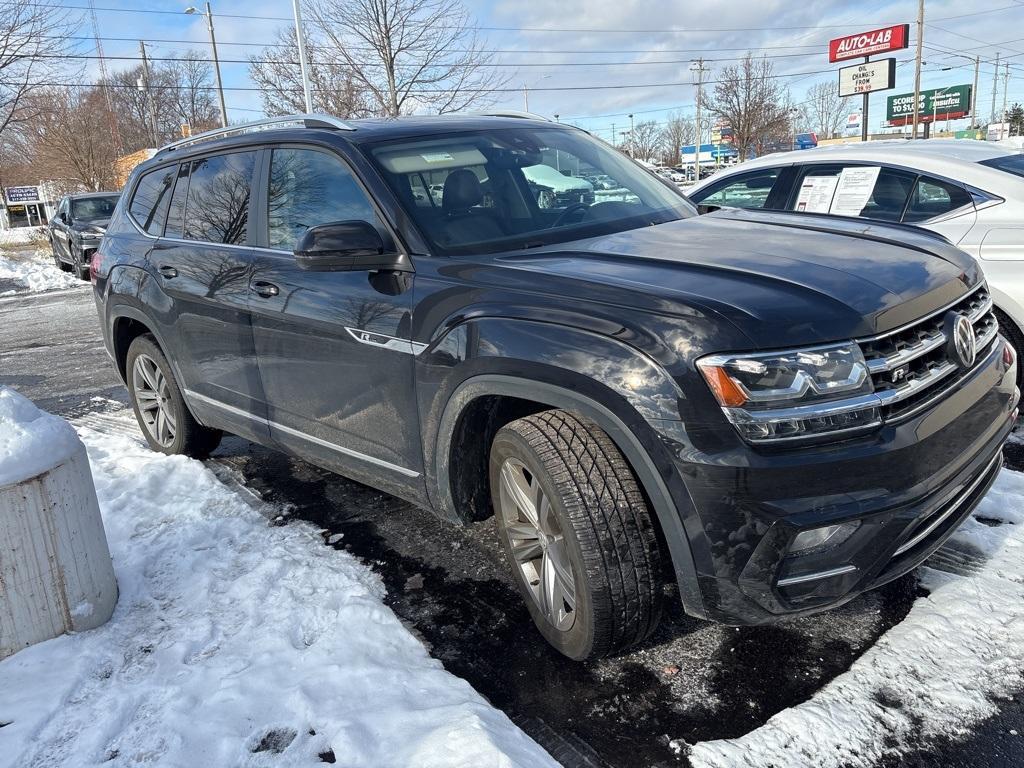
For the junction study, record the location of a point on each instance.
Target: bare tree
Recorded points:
(750, 99)
(678, 131)
(190, 79)
(409, 54)
(33, 33)
(335, 90)
(64, 140)
(823, 111)
(644, 141)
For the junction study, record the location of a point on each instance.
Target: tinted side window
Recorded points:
(749, 190)
(219, 188)
(152, 195)
(935, 197)
(176, 212)
(824, 189)
(308, 187)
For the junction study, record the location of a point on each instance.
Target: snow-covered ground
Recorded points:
(26, 262)
(236, 642)
(940, 670)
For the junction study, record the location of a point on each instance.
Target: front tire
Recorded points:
(577, 532)
(165, 420)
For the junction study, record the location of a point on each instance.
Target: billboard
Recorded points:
(949, 103)
(23, 194)
(867, 78)
(883, 40)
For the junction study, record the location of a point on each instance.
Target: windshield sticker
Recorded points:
(438, 157)
(854, 191)
(816, 194)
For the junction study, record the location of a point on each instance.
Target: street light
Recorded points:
(526, 95)
(216, 62)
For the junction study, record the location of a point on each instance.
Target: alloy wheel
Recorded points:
(537, 544)
(153, 398)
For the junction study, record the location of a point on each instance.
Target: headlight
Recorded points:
(794, 394)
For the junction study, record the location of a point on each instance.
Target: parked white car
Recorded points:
(972, 192)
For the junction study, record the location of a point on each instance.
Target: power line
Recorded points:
(584, 30)
(675, 84)
(85, 56)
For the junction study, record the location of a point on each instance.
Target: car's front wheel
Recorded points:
(56, 258)
(577, 532)
(160, 409)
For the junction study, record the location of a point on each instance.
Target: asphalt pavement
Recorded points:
(692, 681)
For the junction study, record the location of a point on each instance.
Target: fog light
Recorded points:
(818, 539)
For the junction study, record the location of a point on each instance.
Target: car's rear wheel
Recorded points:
(166, 422)
(577, 532)
(1013, 335)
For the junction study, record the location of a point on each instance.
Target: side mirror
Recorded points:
(703, 208)
(345, 246)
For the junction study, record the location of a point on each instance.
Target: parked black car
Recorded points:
(77, 227)
(778, 411)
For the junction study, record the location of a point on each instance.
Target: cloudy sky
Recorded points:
(594, 61)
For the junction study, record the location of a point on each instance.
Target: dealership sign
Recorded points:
(867, 78)
(893, 38)
(23, 194)
(936, 104)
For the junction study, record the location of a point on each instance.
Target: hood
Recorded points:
(782, 279)
(98, 226)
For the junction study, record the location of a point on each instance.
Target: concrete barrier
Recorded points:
(55, 570)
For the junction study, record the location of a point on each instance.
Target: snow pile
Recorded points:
(36, 272)
(937, 672)
(31, 441)
(21, 236)
(236, 643)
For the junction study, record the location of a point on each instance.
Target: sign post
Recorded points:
(865, 44)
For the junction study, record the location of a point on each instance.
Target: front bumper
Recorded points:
(906, 488)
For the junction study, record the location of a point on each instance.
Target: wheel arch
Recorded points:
(545, 396)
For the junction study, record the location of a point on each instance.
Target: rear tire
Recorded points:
(163, 416)
(586, 558)
(1013, 335)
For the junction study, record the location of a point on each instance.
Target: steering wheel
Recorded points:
(565, 214)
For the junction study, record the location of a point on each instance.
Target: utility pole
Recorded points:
(300, 38)
(1006, 88)
(995, 89)
(149, 96)
(632, 138)
(974, 93)
(700, 70)
(917, 66)
(216, 62)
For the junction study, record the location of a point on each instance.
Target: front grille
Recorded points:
(911, 367)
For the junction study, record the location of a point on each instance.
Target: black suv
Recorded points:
(779, 410)
(77, 227)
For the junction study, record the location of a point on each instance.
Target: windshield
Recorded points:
(93, 208)
(510, 188)
(1010, 163)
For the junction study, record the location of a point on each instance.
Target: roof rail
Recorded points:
(511, 113)
(269, 123)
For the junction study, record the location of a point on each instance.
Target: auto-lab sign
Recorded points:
(868, 77)
(883, 40)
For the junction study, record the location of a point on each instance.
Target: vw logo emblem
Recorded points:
(961, 347)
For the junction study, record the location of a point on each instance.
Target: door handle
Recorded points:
(264, 289)
(168, 272)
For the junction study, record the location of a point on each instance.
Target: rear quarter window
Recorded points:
(151, 197)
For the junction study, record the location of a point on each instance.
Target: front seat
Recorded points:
(461, 192)
(888, 198)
